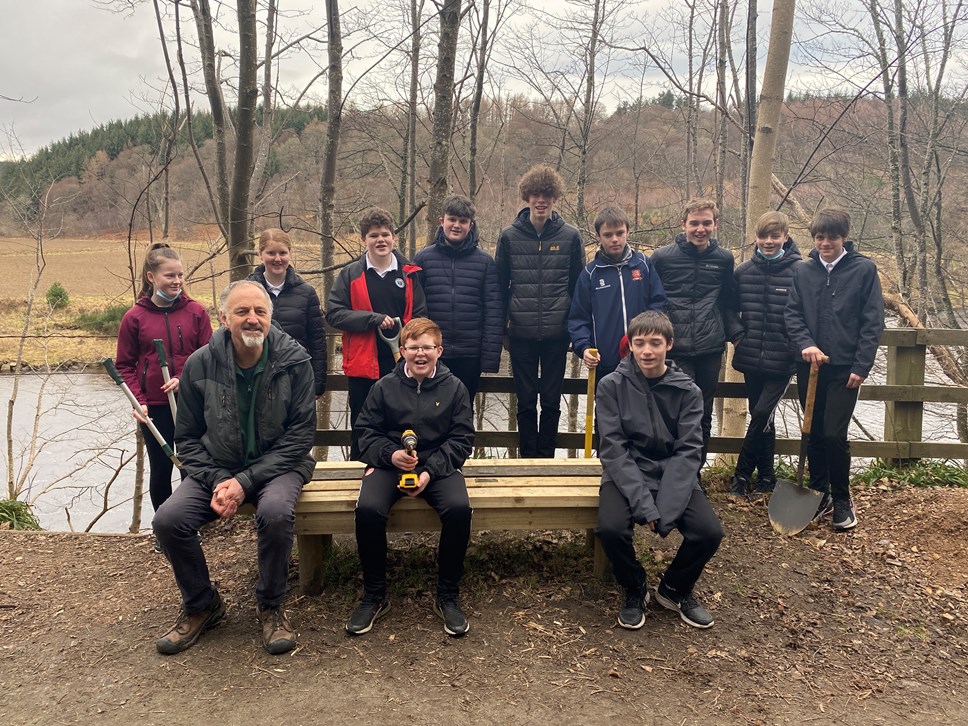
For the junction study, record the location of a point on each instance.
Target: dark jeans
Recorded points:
(538, 440)
(447, 496)
(468, 370)
(357, 390)
(159, 465)
(759, 445)
(828, 451)
(701, 535)
(176, 526)
(704, 370)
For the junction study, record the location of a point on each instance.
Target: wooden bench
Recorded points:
(506, 494)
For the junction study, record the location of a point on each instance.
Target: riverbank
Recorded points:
(858, 628)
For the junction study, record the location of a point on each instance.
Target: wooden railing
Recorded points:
(904, 395)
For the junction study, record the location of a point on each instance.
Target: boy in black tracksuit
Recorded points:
(423, 396)
(650, 444)
(697, 275)
(763, 356)
(835, 310)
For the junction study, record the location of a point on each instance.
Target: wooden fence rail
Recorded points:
(904, 395)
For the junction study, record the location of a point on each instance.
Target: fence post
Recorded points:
(903, 420)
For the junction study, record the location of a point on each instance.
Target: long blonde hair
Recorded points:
(157, 254)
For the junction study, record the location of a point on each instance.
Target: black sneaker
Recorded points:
(157, 547)
(845, 515)
(689, 609)
(764, 487)
(738, 486)
(632, 614)
(366, 613)
(826, 507)
(448, 608)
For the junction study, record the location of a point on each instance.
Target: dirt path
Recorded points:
(860, 628)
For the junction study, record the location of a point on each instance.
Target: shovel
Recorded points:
(792, 505)
(590, 407)
(113, 372)
(166, 376)
(393, 340)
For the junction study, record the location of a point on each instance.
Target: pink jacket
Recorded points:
(184, 327)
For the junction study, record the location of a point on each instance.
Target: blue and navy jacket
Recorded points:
(607, 296)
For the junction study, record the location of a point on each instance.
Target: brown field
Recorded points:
(95, 273)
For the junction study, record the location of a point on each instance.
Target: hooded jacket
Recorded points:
(461, 287)
(437, 409)
(537, 274)
(701, 296)
(654, 468)
(350, 310)
(607, 296)
(840, 312)
(296, 309)
(184, 327)
(763, 287)
(208, 430)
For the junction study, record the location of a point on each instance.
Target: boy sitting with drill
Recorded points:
(416, 421)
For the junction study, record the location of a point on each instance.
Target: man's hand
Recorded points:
(422, 481)
(172, 386)
(403, 461)
(591, 359)
(813, 355)
(227, 498)
(855, 381)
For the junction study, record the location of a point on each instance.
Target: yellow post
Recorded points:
(590, 406)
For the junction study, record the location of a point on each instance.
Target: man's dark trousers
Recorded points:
(704, 370)
(828, 451)
(701, 535)
(189, 508)
(447, 496)
(759, 444)
(538, 440)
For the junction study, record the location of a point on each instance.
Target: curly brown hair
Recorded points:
(376, 217)
(541, 179)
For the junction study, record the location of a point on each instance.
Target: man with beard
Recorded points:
(245, 426)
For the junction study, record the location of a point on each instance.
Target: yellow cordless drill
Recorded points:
(408, 480)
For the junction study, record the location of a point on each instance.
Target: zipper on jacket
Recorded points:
(144, 377)
(171, 346)
(181, 341)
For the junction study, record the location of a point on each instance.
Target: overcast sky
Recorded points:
(74, 65)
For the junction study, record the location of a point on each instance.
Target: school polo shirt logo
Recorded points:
(602, 285)
(400, 283)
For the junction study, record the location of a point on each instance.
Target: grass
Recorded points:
(15, 514)
(105, 321)
(923, 473)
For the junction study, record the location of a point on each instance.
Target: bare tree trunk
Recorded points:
(327, 184)
(449, 15)
(722, 135)
(588, 113)
(268, 102)
(482, 52)
(410, 158)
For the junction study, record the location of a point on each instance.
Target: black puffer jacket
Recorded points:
(842, 312)
(537, 274)
(701, 296)
(437, 410)
(461, 288)
(296, 309)
(763, 286)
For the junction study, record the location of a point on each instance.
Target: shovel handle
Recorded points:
(590, 406)
(811, 398)
(393, 340)
(165, 375)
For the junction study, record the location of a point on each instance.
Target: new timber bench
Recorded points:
(506, 494)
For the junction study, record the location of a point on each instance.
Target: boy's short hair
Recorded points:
(541, 179)
(613, 217)
(376, 217)
(457, 205)
(651, 321)
(420, 326)
(698, 205)
(771, 222)
(832, 221)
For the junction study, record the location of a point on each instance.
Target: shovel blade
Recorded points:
(792, 507)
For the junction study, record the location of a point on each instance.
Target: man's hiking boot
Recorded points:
(190, 626)
(366, 613)
(632, 613)
(277, 633)
(845, 515)
(448, 608)
(689, 609)
(738, 487)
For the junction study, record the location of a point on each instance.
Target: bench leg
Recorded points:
(313, 551)
(600, 560)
